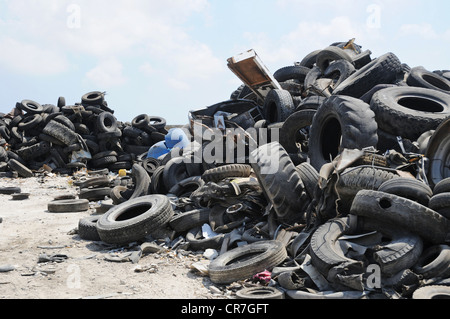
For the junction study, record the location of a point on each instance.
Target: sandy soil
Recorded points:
(28, 231)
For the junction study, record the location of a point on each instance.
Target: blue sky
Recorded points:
(165, 58)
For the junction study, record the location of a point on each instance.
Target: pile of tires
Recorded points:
(60, 136)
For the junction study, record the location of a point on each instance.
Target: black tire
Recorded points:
(290, 135)
(339, 71)
(280, 181)
(100, 181)
(409, 188)
(150, 165)
(311, 103)
(10, 190)
(442, 187)
(120, 194)
(259, 293)
(329, 260)
(330, 54)
(243, 262)
(278, 106)
(21, 169)
(400, 212)
(189, 220)
(141, 180)
(341, 117)
(158, 123)
(103, 162)
(87, 228)
(434, 262)
(94, 194)
(432, 292)
(186, 187)
(409, 112)
(60, 132)
(106, 123)
(30, 107)
(310, 178)
(61, 102)
(30, 122)
(420, 77)
(310, 59)
(68, 206)
(293, 72)
(93, 98)
(134, 219)
(34, 151)
(382, 70)
(227, 171)
(441, 204)
(198, 242)
(174, 172)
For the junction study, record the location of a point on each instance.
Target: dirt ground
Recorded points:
(77, 268)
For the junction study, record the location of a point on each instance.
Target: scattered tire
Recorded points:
(186, 221)
(197, 242)
(258, 293)
(21, 169)
(134, 219)
(243, 262)
(68, 206)
(421, 77)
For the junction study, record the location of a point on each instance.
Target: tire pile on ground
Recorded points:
(318, 226)
(54, 135)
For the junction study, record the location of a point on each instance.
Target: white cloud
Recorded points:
(108, 74)
(423, 30)
(27, 58)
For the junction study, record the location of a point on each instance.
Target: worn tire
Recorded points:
(442, 187)
(290, 134)
(280, 181)
(310, 178)
(259, 293)
(432, 292)
(243, 262)
(189, 220)
(400, 212)
(198, 242)
(68, 206)
(278, 106)
(409, 188)
(134, 219)
(21, 169)
(382, 70)
(434, 262)
(341, 116)
(441, 204)
(330, 54)
(61, 133)
(421, 77)
(227, 171)
(409, 112)
(87, 228)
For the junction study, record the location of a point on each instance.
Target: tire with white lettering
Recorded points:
(255, 293)
(134, 219)
(243, 262)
